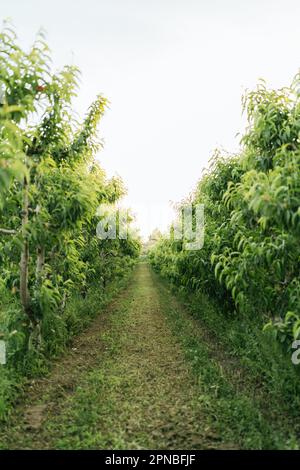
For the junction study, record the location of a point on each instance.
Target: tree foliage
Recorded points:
(50, 188)
(251, 257)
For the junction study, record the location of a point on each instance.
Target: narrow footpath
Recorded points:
(127, 383)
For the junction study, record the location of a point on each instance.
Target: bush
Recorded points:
(251, 256)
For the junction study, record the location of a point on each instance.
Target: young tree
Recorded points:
(53, 185)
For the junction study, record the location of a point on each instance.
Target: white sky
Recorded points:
(174, 72)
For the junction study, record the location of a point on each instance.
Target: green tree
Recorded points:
(53, 184)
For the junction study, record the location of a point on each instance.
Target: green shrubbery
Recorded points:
(251, 256)
(54, 271)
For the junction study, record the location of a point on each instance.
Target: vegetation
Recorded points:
(217, 374)
(250, 258)
(153, 379)
(243, 285)
(51, 187)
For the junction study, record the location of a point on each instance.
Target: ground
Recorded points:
(142, 376)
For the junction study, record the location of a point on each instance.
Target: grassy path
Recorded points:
(141, 376)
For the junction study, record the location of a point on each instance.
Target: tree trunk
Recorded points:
(24, 263)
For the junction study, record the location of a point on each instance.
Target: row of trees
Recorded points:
(50, 188)
(251, 256)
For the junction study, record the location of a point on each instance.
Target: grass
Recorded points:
(154, 374)
(257, 387)
(261, 357)
(23, 366)
(137, 392)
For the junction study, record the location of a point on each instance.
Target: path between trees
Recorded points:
(125, 384)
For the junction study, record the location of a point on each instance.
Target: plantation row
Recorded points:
(54, 271)
(251, 256)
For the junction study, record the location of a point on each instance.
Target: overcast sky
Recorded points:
(174, 72)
